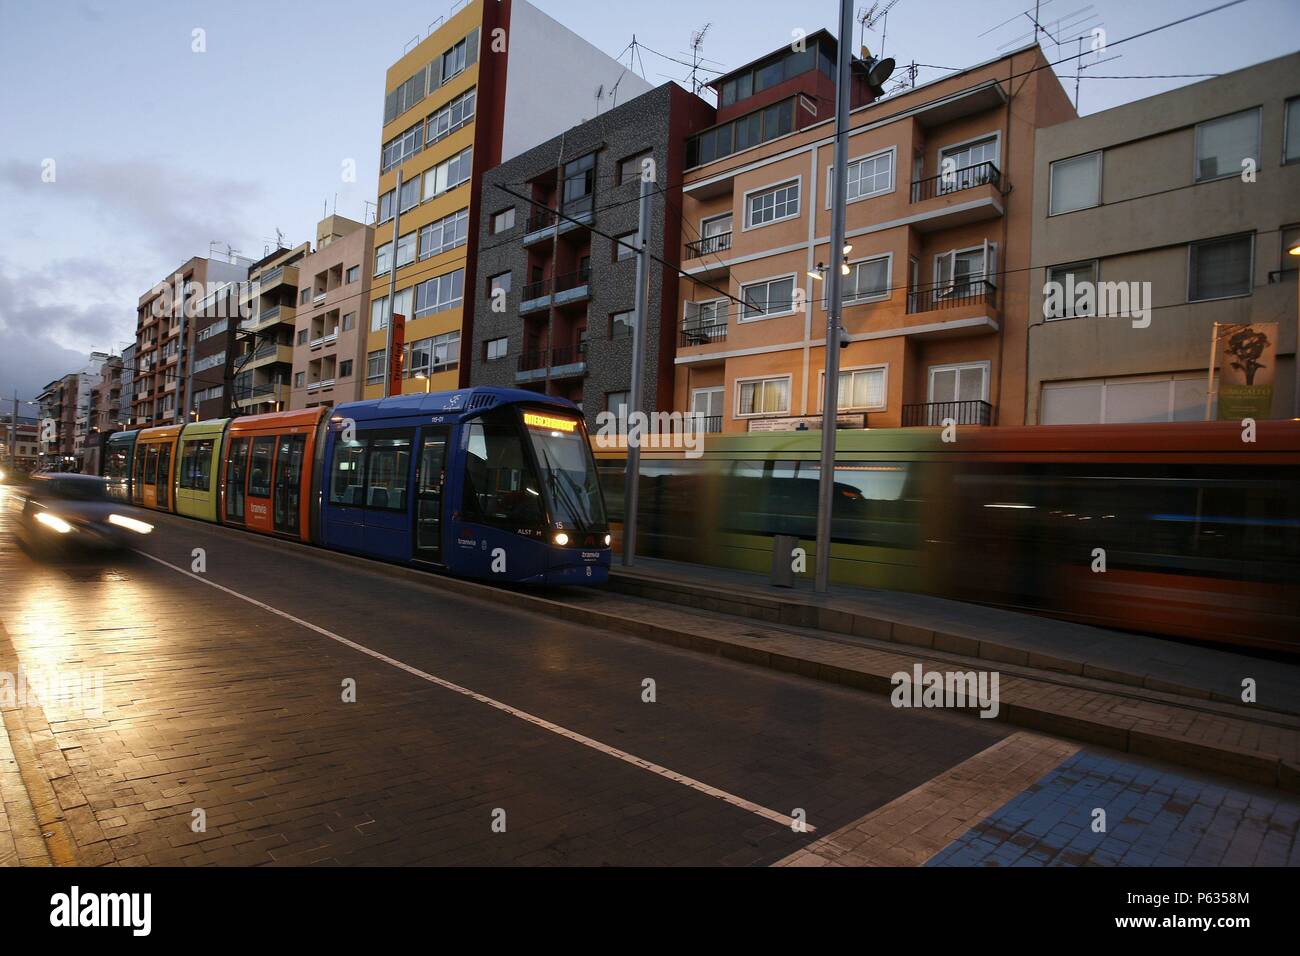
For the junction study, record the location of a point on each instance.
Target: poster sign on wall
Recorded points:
(1247, 368)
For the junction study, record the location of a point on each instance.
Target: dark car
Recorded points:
(64, 512)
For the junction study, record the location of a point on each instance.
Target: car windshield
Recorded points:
(569, 471)
(73, 489)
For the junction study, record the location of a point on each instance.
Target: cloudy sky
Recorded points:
(159, 150)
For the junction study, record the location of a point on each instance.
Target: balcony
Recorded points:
(573, 287)
(565, 362)
(937, 413)
(708, 246)
(541, 223)
(268, 354)
(276, 313)
(280, 275)
(956, 198)
(702, 334)
(981, 292)
(271, 392)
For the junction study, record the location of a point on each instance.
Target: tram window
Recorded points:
(387, 468)
(201, 475)
(139, 471)
(151, 464)
(164, 474)
(236, 471)
(346, 476)
(185, 478)
(500, 486)
(259, 469)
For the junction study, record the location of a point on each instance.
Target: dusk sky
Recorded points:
(160, 150)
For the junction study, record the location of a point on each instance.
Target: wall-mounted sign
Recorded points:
(1247, 369)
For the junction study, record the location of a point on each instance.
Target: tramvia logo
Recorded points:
(922, 688)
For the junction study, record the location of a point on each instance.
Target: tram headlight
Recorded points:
(560, 538)
(131, 524)
(609, 539)
(53, 522)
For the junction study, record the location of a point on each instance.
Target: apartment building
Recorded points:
(493, 79)
(262, 360)
(126, 409)
(329, 340)
(215, 349)
(108, 410)
(567, 290)
(939, 211)
(165, 336)
(19, 446)
(1190, 197)
(58, 410)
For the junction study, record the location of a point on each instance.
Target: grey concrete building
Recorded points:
(1192, 194)
(563, 324)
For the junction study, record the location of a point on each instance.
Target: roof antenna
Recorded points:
(697, 44)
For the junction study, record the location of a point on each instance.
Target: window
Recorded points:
(1291, 131)
(447, 233)
(716, 226)
(304, 297)
(618, 402)
(500, 486)
(869, 176)
(375, 367)
(860, 389)
(706, 313)
(448, 174)
(867, 280)
(402, 147)
(383, 261)
(404, 97)
(439, 293)
(621, 251)
(346, 476)
(741, 133)
(439, 353)
(499, 281)
(1219, 268)
(259, 468)
(621, 324)
(958, 383)
(1222, 144)
(299, 379)
(386, 205)
(457, 58)
(302, 336)
(410, 194)
(579, 183)
(767, 298)
(354, 273)
(764, 396)
(772, 204)
(406, 249)
(629, 170)
(450, 118)
(1177, 397)
(349, 321)
(387, 468)
(345, 368)
(1062, 302)
(494, 349)
(968, 156)
(503, 220)
(1075, 184)
(964, 272)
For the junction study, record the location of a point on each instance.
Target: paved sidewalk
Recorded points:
(1183, 668)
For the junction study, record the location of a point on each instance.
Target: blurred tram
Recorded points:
(1180, 529)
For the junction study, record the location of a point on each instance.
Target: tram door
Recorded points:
(429, 478)
(164, 477)
(288, 482)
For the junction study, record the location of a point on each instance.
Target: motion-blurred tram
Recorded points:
(1179, 529)
(482, 482)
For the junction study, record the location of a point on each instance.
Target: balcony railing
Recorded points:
(936, 413)
(709, 424)
(709, 245)
(952, 295)
(543, 358)
(968, 177)
(561, 283)
(540, 219)
(696, 334)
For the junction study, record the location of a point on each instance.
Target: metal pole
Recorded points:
(13, 437)
(632, 476)
(1209, 381)
(392, 286)
(830, 390)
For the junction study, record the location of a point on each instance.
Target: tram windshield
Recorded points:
(568, 469)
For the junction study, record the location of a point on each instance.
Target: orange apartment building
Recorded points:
(939, 212)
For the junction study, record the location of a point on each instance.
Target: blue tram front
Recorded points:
(489, 483)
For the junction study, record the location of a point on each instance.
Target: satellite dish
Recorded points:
(879, 72)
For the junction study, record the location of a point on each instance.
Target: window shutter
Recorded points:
(471, 48)
(434, 69)
(390, 106)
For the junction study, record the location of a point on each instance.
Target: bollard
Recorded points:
(783, 546)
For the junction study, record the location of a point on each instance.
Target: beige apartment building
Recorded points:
(1192, 194)
(939, 207)
(263, 349)
(329, 341)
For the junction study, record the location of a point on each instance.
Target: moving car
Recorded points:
(67, 512)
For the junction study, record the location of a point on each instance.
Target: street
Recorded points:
(478, 733)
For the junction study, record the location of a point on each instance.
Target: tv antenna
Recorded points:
(697, 44)
(877, 13)
(600, 91)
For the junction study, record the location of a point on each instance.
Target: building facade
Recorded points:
(262, 362)
(555, 301)
(1186, 201)
(938, 213)
(165, 337)
(19, 447)
(491, 81)
(329, 338)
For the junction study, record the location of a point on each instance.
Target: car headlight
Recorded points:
(561, 538)
(609, 539)
(131, 524)
(53, 522)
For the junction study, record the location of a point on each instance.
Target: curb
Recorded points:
(1020, 708)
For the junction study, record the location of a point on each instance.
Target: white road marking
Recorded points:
(783, 819)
